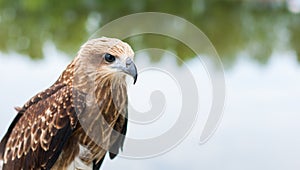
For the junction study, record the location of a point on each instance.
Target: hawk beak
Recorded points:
(130, 69)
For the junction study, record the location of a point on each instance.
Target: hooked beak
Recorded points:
(130, 69)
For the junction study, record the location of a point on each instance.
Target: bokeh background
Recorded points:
(258, 42)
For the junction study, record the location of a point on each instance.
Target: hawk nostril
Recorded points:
(128, 61)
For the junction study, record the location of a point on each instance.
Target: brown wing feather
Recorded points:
(39, 131)
(31, 102)
(121, 128)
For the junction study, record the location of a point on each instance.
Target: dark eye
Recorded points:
(109, 58)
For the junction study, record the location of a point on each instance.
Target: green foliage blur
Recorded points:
(255, 28)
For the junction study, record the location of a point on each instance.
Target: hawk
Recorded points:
(80, 118)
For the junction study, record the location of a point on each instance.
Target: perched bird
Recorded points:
(81, 117)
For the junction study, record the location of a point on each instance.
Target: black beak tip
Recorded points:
(135, 78)
(131, 70)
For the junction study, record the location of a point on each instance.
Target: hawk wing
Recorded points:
(36, 136)
(121, 128)
(118, 137)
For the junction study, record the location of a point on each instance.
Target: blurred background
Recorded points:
(257, 41)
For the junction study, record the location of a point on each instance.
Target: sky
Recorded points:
(259, 128)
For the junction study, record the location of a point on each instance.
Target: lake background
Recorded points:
(257, 41)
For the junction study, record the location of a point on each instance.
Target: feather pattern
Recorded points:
(42, 121)
(85, 108)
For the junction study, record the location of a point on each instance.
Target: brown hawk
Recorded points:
(81, 117)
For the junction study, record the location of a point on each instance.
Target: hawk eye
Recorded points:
(109, 58)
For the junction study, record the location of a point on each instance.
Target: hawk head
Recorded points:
(109, 58)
